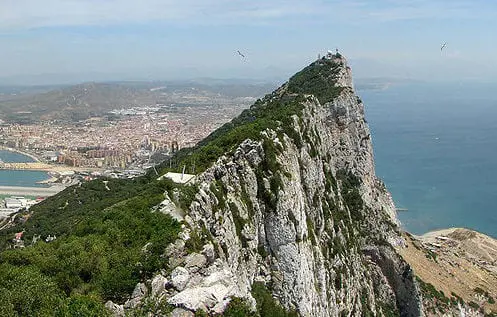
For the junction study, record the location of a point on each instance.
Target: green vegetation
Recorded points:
(455, 299)
(264, 114)
(267, 305)
(482, 292)
(238, 308)
(151, 307)
(367, 312)
(109, 237)
(274, 111)
(239, 223)
(310, 230)
(441, 302)
(474, 305)
(389, 310)
(99, 252)
(60, 214)
(317, 79)
(429, 291)
(350, 193)
(431, 255)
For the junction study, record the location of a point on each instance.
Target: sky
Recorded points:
(54, 41)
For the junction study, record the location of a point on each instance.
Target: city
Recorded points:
(126, 138)
(119, 143)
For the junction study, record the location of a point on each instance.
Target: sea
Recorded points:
(20, 178)
(435, 148)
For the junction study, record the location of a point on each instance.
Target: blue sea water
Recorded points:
(19, 178)
(436, 149)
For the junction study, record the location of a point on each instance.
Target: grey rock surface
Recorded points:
(299, 228)
(179, 312)
(158, 284)
(139, 293)
(179, 278)
(115, 309)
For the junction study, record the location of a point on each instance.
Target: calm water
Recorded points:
(436, 149)
(19, 178)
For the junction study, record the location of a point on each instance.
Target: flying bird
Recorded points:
(443, 46)
(241, 54)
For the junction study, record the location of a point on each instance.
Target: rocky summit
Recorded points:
(295, 211)
(281, 215)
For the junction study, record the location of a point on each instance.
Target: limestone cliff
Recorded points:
(296, 209)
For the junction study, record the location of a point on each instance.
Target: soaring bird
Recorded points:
(443, 46)
(240, 54)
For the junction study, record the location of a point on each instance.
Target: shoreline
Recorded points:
(9, 149)
(432, 235)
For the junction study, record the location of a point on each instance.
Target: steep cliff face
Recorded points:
(297, 210)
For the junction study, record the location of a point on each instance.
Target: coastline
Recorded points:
(432, 235)
(9, 149)
(39, 165)
(49, 169)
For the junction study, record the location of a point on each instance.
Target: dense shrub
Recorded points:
(238, 308)
(267, 305)
(99, 251)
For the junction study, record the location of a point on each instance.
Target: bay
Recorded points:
(435, 148)
(20, 178)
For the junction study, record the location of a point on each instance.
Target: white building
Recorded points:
(12, 203)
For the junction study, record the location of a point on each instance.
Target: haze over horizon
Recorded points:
(67, 41)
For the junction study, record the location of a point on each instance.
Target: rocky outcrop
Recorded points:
(299, 209)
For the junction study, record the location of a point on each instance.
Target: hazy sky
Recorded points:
(165, 39)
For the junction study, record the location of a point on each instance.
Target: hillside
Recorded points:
(74, 102)
(82, 101)
(285, 218)
(460, 264)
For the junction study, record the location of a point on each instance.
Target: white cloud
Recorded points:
(22, 14)
(16, 14)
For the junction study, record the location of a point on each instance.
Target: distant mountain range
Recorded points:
(77, 102)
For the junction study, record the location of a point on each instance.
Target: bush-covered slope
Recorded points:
(273, 111)
(101, 229)
(109, 236)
